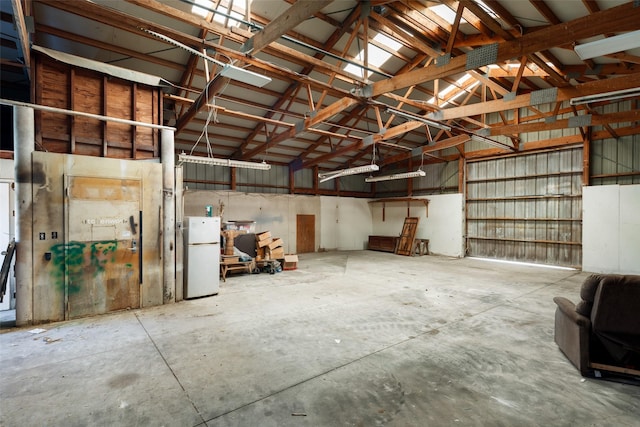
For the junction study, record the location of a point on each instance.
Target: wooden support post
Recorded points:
(586, 154)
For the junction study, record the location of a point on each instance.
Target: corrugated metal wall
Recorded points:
(526, 208)
(207, 177)
(616, 161)
(440, 178)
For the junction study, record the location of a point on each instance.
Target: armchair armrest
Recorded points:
(569, 310)
(571, 333)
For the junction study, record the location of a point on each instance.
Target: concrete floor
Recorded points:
(349, 338)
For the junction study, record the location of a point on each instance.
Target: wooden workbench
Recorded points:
(244, 266)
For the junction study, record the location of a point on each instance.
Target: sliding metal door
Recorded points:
(526, 207)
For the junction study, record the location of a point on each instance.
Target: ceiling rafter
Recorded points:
(623, 17)
(132, 24)
(316, 114)
(564, 94)
(333, 39)
(258, 41)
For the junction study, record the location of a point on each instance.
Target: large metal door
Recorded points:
(526, 208)
(102, 250)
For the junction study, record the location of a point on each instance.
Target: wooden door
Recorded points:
(405, 244)
(305, 233)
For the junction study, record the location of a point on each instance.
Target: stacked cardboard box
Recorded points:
(268, 247)
(290, 262)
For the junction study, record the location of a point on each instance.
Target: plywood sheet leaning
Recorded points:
(405, 244)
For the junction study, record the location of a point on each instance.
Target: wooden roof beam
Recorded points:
(23, 35)
(440, 145)
(292, 17)
(596, 120)
(620, 18)
(291, 89)
(520, 101)
(322, 115)
(282, 24)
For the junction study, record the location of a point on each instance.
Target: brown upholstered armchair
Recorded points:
(602, 332)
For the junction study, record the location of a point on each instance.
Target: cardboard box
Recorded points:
(263, 243)
(277, 253)
(275, 243)
(290, 262)
(263, 239)
(263, 236)
(230, 259)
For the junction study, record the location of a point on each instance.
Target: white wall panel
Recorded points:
(6, 169)
(354, 223)
(630, 229)
(611, 229)
(6, 234)
(443, 227)
(329, 217)
(600, 228)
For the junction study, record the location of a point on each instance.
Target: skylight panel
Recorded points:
(487, 9)
(224, 17)
(460, 82)
(219, 18)
(377, 56)
(354, 69)
(462, 92)
(200, 7)
(446, 13)
(387, 41)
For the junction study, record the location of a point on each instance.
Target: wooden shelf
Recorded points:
(407, 200)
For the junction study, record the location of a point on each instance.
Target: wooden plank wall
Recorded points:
(64, 86)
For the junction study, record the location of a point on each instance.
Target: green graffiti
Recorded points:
(69, 262)
(103, 253)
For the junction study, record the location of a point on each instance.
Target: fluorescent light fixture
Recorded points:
(607, 96)
(404, 175)
(326, 176)
(480, 138)
(418, 118)
(245, 76)
(186, 158)
(228, 70)
(608, 45)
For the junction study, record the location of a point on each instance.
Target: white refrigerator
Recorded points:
(201, 256)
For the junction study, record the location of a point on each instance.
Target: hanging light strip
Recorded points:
(480, 138)
(608, 45)
(228, 70)
(404, 175)
(186, 158)
(607, 96)
(327, 176)
(419, 119)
